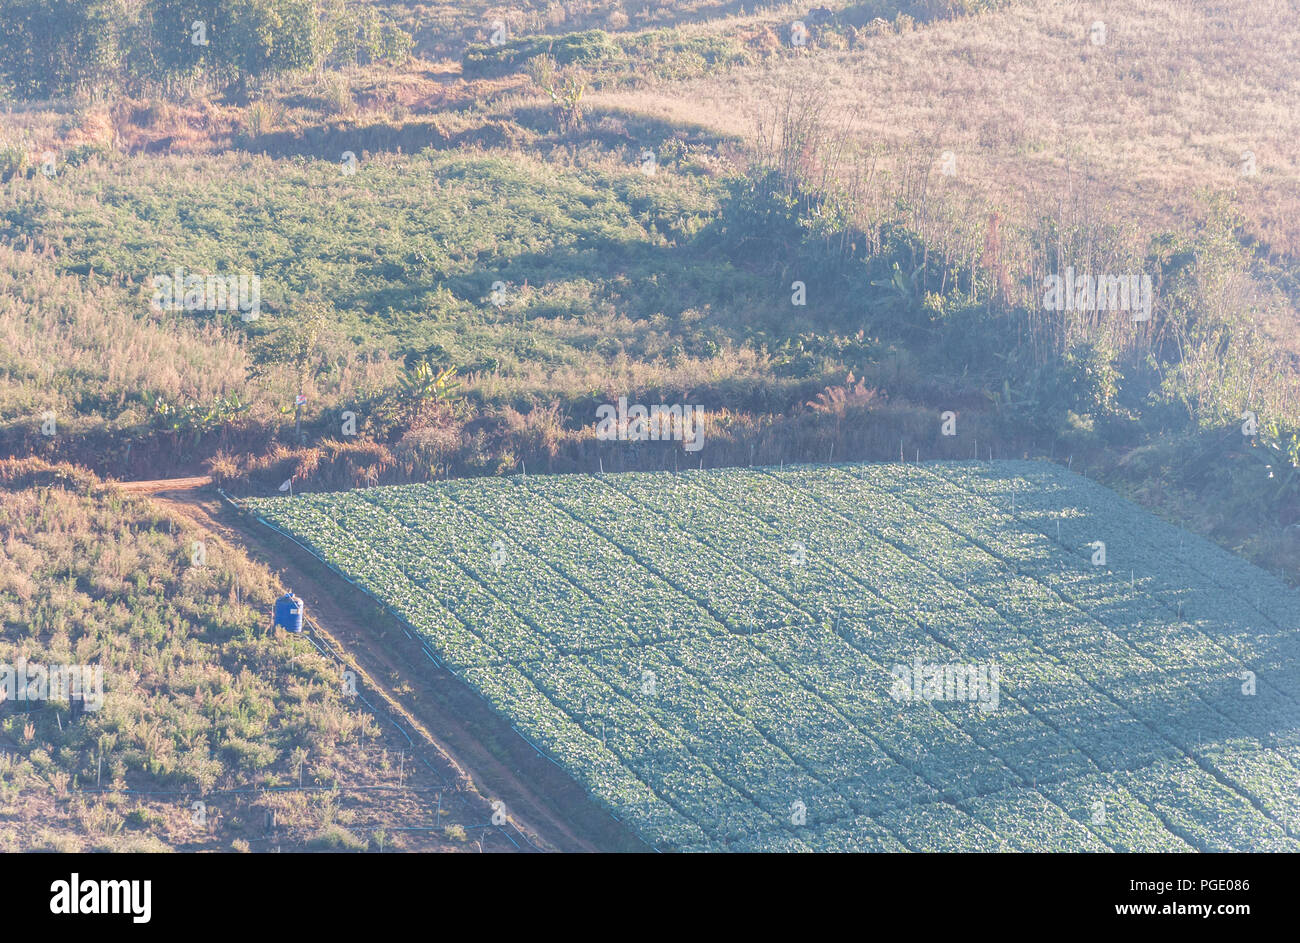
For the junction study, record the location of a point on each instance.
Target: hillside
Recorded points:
(1034, 99)
(406, 259)
(829, 247)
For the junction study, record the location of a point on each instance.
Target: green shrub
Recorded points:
(142, 818)
(1055, 396)
(55, 47)
(588, 48)
(83, 153)
(250, 755)
(14, 162)
(335, 837)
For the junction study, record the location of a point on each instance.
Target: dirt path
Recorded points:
(434, 705)
(158, 485)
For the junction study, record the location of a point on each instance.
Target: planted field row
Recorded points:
(1185, 694)
(875, 657)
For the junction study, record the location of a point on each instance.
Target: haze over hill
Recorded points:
(315, 247)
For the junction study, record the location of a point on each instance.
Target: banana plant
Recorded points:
(424, 383)
(197, 418)
(901, 298)
(901, 289)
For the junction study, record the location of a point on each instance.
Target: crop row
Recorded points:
(1165, 694)
(715, 655)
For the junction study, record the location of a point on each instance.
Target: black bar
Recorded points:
(219, 893)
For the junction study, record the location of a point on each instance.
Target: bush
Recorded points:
(53, 47)
(357, 35)
(14, 162)
(588, 48)
(84, 153)
(1055, 396)
(335, 838)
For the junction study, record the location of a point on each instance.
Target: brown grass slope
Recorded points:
(1175, 99)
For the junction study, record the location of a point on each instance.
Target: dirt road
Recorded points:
(454, 726)
(158, 485)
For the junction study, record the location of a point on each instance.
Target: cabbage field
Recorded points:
(926, 657)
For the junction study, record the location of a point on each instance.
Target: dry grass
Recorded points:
(91, 352)
(1169, 104)
(199, 705)
(66, 342)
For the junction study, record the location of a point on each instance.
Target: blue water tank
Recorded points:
(288, 612)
